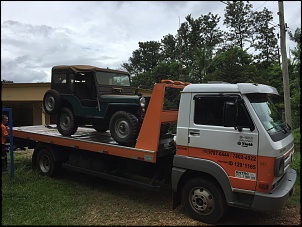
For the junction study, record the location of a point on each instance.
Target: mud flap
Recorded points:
(176, 200)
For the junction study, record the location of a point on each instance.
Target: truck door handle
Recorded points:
(194, 133)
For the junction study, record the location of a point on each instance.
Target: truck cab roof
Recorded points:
(243, 88)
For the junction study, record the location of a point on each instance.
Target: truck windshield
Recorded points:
(268, 114)
(108, 78)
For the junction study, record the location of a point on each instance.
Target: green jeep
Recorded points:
(84, 94)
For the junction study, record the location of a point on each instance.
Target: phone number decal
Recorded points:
(219, 153)
(246, 157)
(230, 155)
(245, 165)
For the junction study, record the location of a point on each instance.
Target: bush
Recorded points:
(296, 165)
(297, 137)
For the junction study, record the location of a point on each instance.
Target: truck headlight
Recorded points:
(279, 167)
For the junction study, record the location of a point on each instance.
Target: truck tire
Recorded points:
(204, 200)
(46, 163)
(52, 102)
(100, 125)
(124, 128)
(66, 122)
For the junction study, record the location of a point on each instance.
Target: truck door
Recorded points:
(235, 151)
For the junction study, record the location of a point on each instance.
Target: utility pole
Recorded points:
(287, 105)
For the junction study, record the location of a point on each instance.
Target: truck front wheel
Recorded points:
(124, 128)
(66, 122)
(203, 200)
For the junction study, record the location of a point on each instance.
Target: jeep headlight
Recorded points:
(142, 102)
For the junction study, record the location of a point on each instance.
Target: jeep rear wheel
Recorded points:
(66, 122)
(124, 128)
(52, 102)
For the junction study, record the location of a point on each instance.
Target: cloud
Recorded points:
(39, 46)
(36, 35)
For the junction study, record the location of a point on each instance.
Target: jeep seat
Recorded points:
(84, 93)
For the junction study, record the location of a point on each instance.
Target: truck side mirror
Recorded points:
(229, 114)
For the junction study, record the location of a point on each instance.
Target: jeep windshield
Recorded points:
(112, 78)
(269, 116)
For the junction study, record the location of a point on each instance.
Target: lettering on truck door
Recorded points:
(234, 151)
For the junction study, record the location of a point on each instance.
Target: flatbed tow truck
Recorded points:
(209, 164)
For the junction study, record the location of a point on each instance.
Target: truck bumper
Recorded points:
(278, 196)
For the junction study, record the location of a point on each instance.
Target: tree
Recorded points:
(265, 39)
(296, 37)
(294, 72)
(197, 39)
(7, 81)
(144, 59)
(232, 66)
(239, 20)
(169, 49)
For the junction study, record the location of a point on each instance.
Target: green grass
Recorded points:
(74, 199)
(295, 200)
(31, 199)
(77, 199)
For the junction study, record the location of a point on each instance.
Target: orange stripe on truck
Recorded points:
(244, 170)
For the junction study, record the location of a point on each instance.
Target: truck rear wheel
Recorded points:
(66, 122)
(204, 200)
(52, 102)
(124, 128)
(46, 163)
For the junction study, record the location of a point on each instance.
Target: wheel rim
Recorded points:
(44, 164)
(50, 103)
(202, 200)
(65, 122)
(122, 128)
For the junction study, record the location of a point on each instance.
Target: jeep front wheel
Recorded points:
(52, 101)
(66, 122)
(124, 128)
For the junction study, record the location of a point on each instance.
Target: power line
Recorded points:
(261, 5)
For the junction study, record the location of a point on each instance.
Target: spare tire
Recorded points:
(52, 102)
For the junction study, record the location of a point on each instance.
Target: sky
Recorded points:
(37, 35)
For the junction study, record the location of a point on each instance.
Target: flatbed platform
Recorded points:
(87, 138)
(82, 134)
